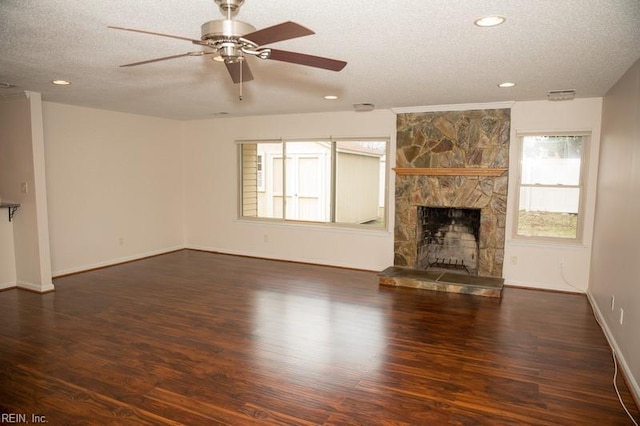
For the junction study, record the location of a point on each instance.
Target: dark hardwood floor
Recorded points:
(200, 338)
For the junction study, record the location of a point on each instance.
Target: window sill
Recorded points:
(524, 242)
(316, 226)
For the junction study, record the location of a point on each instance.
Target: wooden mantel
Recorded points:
(449, 171)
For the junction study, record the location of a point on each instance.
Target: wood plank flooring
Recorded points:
(199, 338)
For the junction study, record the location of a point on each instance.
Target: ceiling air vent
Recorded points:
(364, 107)
(561, 95)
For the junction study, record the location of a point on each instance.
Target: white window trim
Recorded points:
(584, 161)
(262, 174)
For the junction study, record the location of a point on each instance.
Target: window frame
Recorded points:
(260, 172)
(584, 160)
(332, 187)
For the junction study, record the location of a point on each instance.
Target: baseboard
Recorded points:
(36, 288)
(308, 261)
(7, 286)
(537, 286)
(632, 383)
(117, 261)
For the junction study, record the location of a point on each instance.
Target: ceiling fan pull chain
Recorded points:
(241, 66)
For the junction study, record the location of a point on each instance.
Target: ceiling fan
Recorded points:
(231, 41)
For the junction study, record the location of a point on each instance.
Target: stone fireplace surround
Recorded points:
(453, 159)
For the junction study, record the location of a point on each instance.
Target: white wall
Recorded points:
(22, 164)
(211, 189)
(114, 184)
(616, 243)
(7, 252)
(8, 107)
(552, 266)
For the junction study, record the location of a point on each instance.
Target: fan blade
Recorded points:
(234, 71)
(194, 41)
(285, 31)
(166, 58)
(308, 60)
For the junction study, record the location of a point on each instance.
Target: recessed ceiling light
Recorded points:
(489, 21)
(331, 97)
(506, 84)
(61, 82)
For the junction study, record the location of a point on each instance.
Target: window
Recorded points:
(550, 186)
(339, 181)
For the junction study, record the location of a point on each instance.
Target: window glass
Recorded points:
(360, 182)
(308, 181)
(551, 160)
(323, 181)
(550, 186)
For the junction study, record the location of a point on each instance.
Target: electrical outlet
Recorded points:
(121, 241)
(24, 187)
(621, 315)
(265, 238)
(514, 260)
(613, 303)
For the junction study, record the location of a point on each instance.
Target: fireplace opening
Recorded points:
(447, 238)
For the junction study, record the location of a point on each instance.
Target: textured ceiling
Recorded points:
(400, 53)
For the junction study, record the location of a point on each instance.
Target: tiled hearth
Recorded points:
(452, 159)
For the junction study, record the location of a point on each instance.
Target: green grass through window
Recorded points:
(547, 224)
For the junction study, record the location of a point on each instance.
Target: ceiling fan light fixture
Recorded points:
(490, 21)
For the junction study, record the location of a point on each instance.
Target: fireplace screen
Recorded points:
(447, 238)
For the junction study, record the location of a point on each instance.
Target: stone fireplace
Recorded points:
(454, 163)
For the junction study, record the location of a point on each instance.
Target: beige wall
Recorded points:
(616, 246)
(552, 266)
(7, 253)
(8, 129)
(211, 190)
(114, 185)
(114, 176)
(22, 162)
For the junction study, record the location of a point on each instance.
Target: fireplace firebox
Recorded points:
(447, 238)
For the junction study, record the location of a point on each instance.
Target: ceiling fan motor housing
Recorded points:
(224, 34)
(225, 28)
